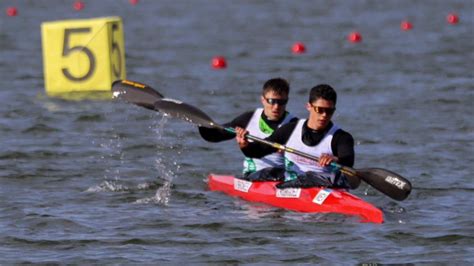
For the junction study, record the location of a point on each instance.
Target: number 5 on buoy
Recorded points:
(82, 55)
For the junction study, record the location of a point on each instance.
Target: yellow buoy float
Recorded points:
(82, 55)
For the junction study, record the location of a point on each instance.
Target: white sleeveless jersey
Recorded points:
(296, 165)
(272, 160)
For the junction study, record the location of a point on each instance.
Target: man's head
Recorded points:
(321, 105)
(274, 98)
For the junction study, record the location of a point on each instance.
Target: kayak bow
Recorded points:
(315, 200)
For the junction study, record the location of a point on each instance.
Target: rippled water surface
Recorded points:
(98, 181)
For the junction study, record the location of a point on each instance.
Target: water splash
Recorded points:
(114, 160)
(146, 186)
(162, 165)
(393, 211)
(161, 197)
(393, 207)
(112, 153)
(165, 165)
(108, 186)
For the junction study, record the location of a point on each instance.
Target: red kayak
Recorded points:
(317, 200)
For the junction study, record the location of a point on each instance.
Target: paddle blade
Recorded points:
(387, 182)
(136, 93)
(184, 111)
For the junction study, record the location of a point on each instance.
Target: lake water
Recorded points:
(101, 181)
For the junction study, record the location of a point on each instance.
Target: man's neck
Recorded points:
(313, 127)
(265, 117)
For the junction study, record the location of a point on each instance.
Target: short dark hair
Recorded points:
(278, 85)
(323, 91)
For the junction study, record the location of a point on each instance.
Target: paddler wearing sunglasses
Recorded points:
(261, 122)
(317, 135)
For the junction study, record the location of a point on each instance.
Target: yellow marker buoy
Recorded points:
(82, 55)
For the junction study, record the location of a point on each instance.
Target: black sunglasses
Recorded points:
(276, 101)
(322, 110)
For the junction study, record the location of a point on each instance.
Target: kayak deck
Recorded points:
(316, 199)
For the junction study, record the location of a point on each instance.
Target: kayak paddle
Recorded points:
(136, 93)
(387, 182)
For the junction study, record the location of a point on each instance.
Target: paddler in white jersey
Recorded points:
(261, 123)
(317, 135)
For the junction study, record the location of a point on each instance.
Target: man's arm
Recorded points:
(218, 135)
(342, 146)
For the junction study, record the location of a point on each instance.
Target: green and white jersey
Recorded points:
(259, 128)
(296, 165)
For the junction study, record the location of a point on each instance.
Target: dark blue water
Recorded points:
(99, 181)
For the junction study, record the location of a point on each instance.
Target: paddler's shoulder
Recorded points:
(294, 120)
(343, 135)
(290, 126)
(241, 120)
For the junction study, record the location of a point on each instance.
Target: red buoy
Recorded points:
(12, 11)
(406, 25)
(133, 2)
(452, 18)
(219, 62)
(79, 5)
(298, 48)
(355, 37)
